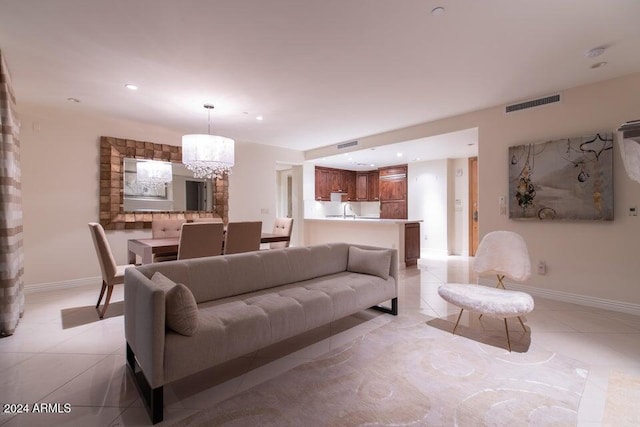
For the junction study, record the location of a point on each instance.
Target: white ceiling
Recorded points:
(319, 71)
(454, 145)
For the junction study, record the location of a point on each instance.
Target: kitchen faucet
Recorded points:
(344, 210)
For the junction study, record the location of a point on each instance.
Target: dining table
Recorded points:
(147, 248)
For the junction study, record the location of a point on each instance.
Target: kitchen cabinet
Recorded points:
(362, 186)
(411, 243)
(367, 186)
(393, 192)
(323, 184)
(329, 180)
(349, 184)
(373, 194)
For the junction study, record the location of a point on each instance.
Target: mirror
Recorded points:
(177, 192)
(114, 216)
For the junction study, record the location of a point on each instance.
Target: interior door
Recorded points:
(473, 205)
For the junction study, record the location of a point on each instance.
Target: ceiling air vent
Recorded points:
(347, 144)
(532, 103)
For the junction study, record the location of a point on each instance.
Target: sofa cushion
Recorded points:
(369, 261)
(181, 311)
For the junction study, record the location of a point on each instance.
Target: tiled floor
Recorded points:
(61, 353)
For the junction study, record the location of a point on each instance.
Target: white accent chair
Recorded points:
(505, 254)
(112, 274)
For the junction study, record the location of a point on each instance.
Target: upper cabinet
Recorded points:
(367, 186)
(355, 186)
(373, 192)
(329, 180)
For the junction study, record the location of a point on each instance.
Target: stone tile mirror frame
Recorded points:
(112, 214)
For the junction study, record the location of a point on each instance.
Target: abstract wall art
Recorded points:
(563, 179)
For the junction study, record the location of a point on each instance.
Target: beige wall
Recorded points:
(592, 259)
(60, 160)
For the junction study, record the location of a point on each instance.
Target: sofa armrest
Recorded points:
(144, 324)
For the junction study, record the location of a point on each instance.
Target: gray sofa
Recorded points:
(185, 316)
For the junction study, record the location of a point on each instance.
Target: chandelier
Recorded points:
(208, 156)
(153, 173)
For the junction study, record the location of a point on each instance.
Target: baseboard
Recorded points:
(65, 284)
(431, 252)
(607, 304)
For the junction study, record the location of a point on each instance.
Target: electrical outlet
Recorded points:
(542, 268)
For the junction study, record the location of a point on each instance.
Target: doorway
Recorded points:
(196, 195)
(473, 205)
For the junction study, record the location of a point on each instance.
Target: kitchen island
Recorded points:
(390, 233)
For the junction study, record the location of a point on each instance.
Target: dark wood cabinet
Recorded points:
(411, 243)
(323, 184)
(373, 194)
(329, 180)
(362, 186)
(349, 184)
(367, 186)
(393, 192)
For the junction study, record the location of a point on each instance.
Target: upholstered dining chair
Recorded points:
(161, 228)
(242, 237)
(200, 239)
(282, 226)
(112, 274)
(216, 220)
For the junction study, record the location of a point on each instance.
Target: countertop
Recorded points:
(365, 220)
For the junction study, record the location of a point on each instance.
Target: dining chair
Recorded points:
(200, 239)
(215, 220)
(161, 228)
(112, 274)
(282, 226)
(242, 237)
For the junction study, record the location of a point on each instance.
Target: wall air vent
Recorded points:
(347, 144)
(532, 103)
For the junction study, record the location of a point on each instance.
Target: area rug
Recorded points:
(408, 373)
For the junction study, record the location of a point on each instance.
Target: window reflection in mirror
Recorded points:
(182, 193)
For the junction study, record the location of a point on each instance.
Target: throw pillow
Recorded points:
(375, 262)
(181, 309)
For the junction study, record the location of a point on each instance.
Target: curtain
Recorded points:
(11, 253)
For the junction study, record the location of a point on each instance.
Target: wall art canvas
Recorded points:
(563, 179)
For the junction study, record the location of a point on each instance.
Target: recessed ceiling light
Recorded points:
(417, 159)
(399, 154)
(372, 164)
(131, 87)
(595, 52)
(599, 64)
(259, 118)
(73, 100)
(436, 11)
